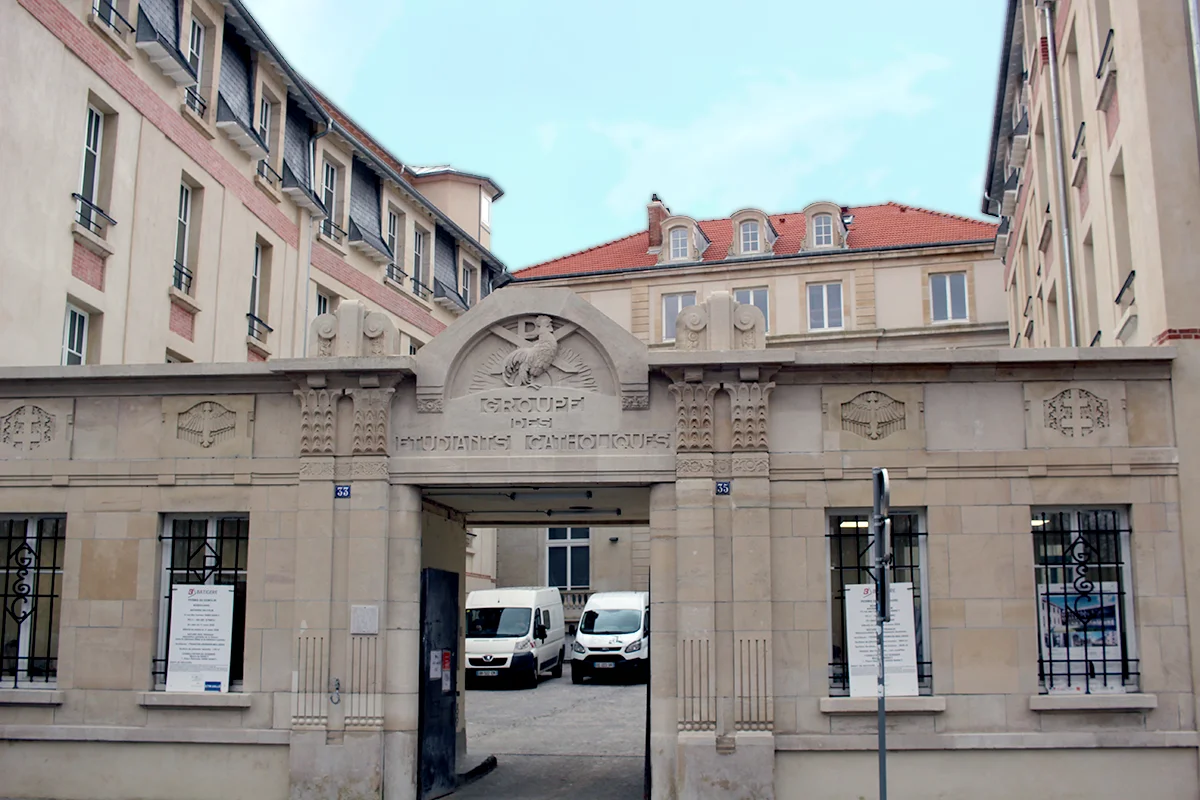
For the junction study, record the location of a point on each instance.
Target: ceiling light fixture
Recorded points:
(576, 512)
(851, 523)
(551, 494)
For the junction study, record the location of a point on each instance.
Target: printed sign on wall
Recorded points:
(899, 642)
(200, 638)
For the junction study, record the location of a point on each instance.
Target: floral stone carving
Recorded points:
(749, 400)
(1076, 413)
(316, 421)
(371, 407)
(694, 415)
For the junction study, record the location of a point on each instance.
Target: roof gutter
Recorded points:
(998, 114)
(385, 169)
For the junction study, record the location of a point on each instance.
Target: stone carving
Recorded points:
(689, 325)
(749, 401)
(694, 467)
(376, 327)
(1076, 413)
(316, 421)
(375, 468)
(325, 329)
(429, 405)
(536, 361)
(694, 415)
(26, 428)
(635, 401)
(317, 468)
(206, 424)
(873, 415)
(751, 464)
(747, 323)
(371, 407)
(720, 323)
(352, 331)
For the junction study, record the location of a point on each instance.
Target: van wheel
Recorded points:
(558, 668)
(531, 680)
(576, 673)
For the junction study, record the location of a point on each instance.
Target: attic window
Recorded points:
(679, 243)
(750, 240)
(823, 230)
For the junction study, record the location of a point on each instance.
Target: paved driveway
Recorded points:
(559, 740)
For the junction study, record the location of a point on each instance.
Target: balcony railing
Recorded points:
(331, 230)
(90, 215)
(1080, 141)
(268, 174)
(182, 279)
(1106, 55)
(258, 329)
(420, 290)
(1095, 340)
(107, 13)
(195, 101)
(395, 274)
(1125, 296)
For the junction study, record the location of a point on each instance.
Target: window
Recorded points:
(105, 11)
(679, 243)
(256, 278)
(948, 295)
(754, 297)
(825, 306)
(204, 551)
(466, 284)
(75, 332)
(750, 236)
(485, 209)
(392, 232)
(418, 255)
(823, 230)
(851, 561)
(90, 182)
(264, 121)
(568, 558)
(1085, 614)
(672, 305)
(329, 198)
(183, 274)
(322, 303)
(31, 558)
(260, 292)
(194, 97)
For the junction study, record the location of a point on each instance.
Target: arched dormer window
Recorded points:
(823, 230)
(750, 236)
(679, 243)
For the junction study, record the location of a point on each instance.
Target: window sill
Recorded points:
(198, 122)
(31, 697)
(330, 243)
(1125, 701)
(181, 299)
(90, 241)
(112, 37)
(893, 705)
(194, 699)
(267, 189)
(258, 347)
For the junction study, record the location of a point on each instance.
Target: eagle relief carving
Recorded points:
(537, 359)
(206, 424)
(873, 415)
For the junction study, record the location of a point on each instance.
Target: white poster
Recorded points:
(200, 638)
(1081, 637)
(899, 642)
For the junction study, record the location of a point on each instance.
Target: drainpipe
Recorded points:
(1060, 163)
(312, 173)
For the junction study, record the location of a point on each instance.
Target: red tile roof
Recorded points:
(887, 225)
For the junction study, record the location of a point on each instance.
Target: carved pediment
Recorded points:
(720, 323)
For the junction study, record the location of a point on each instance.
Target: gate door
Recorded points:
(439, 683)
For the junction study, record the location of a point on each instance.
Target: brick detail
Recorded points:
(254, 355)
(1112, 115)
(1176, 334)
(88, 267)
(332, 265)
(183, 322)
(1044, 49)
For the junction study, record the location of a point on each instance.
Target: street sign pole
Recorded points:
(881, 528)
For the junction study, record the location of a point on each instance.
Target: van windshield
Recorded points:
(497, 623)
(610, 620)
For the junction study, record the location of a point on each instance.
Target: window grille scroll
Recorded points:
(31, 554)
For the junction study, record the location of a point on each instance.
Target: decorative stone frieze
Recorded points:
(873, 418)
(372, 408)
(35, 428)
(217, 426)
(750, 465)
(749, 408)
(695, 465)
(1076, 414)
(873, 415)
(317, 424)
(693, 415)
(720, 323)
(206, 423)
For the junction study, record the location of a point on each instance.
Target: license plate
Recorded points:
(487, 673)
(605, 664)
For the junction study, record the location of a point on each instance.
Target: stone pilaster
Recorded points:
(402, 639)
(664, 647)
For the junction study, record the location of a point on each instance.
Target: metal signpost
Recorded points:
(881, 529)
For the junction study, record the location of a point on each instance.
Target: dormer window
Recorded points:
(823, 230)
(679, 243)
(750, 236)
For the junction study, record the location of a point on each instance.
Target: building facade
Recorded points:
(1036, 506)
(188, 196)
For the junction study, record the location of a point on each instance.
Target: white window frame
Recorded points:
(822, 230)
(674, 242)
(264, 120)
(323, 303)
(466, 283)
(418, 255)
(825, 306)
(183, 225)
(93, 141)
(329, 194)
(393, 225)
(669, 330)
(569, 544)
(255, 278)
(485, 209)
(24, 627)
(948, 311)
(164, 601)
(414, 345)
(751, 236)
(752, 294)
(78, 347)
(196, 51)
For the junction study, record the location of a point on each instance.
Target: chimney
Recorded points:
(656, 212)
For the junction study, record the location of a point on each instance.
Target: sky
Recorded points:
(581, 110)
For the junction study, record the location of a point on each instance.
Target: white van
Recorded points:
(613, 636)
(515, 633)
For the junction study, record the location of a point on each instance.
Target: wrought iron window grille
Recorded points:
(851, 561)
(195, 101)
(30, 593)
(268, 174)
(107, 13)
(331, 230)
(257, 328)
(420, 289)
(1081, 568)
(395, 274)
(182, 279)
(90, 215)
(204, 551)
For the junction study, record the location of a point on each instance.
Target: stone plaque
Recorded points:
(876, 417)
(364, 620)
(213, 426)
(1076, 414)
(36, 428)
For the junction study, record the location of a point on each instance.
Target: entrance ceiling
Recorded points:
(546, 506)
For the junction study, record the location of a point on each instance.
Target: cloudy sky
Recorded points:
(581, 110)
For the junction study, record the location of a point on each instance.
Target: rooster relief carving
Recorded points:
(537, 361)
(526, 364)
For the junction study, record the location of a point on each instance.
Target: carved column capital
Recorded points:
(372, 409)
(749, 408)
(693, 415)
(317, 423)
